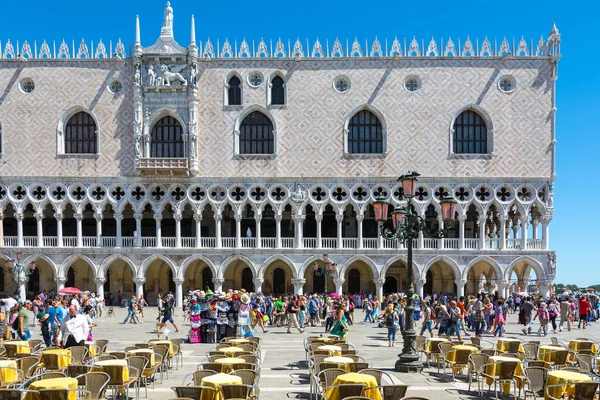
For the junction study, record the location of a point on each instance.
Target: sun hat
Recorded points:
(245, 299)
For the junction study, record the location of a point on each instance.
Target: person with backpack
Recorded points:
(391, 322)
(167, 313)
(368, 310)
(453, 320)
(499, 319)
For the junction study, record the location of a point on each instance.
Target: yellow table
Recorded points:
(215, 381)
(472, 349)
(332, 349)
(7, 375)
(558, 377)
(494, 370)
(432, 343)
(574, 345)
(99, 366)
(230, 351)
(368, 380)
(548, 353)
(148, 353)
(91, 346)
(227, 362)
(64, 356)
(324, 339)
(342, 362)
(235, 342)
(56, 383)
(502, 345)
(20, 346)
(164, 343)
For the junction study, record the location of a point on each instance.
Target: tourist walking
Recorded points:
(44, 320)
(527, 309)
(131, 311)
(340, 326)
(391, 322)
(292, 311)
(23, 318)
(584, 309)
(542, 313)
(499, 319)
(167, 313)
(453, 320)
(565, 314)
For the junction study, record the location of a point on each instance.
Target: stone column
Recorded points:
(298, 285)
(98, 217)
(60, 282)
(339, 283)
(258, 282)
(238, 231)
(546, 233)
(178, 292)
(524, 225)
(441, 227)
(139, 286)
(319, 220)
(39, 217)
(138, 229)
(461, 231)
(218, 218)
(258, 222)
(524, 284)
(379, 288)
(158, 219)
(1, 229)
(420, 284)
(482, 220)
(59, 231)
(340, 221)
(359, 225)
(118, 222)
(278, 219)
(19, 217)
(460, 287)
(544, 287)
(100, 286)
(177, 218)
(21, 281)
(534, 232)
(79, 219)
(298, 233)
(502, 287)
(198, 219)
(502, 243)
(218, 284)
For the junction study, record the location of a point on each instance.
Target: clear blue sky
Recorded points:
(574, 230)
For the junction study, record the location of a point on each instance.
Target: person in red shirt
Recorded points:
(584, 309)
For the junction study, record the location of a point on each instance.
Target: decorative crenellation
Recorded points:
(62, 50)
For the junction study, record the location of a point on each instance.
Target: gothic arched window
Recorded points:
(470, 134)
(81, 134)
(256, 134)
(234, 92)
(277, 91)
(167, 139)
(365, 133)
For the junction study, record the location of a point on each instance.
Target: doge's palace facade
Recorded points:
(229, 165)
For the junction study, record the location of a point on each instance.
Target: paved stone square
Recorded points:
(284, 370)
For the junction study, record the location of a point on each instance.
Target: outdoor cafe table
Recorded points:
(227, 362)
(148, 353)
(215, 381)
(91, 346)
(432, 343)
(230, 351)
(20, 346)
(342, 362)
(8, 375)
(55, 383)
(238, 341)
(574, 345)
(164, 343)
(548, 353)
(332, 349)
(503, 344)
(64, 356)
(99, 366)
(494, 370)
(558, 377)
(326, 339)
(355, 378)
(452, 355)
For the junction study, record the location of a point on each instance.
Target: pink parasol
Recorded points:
(69, 290)
(334, 294)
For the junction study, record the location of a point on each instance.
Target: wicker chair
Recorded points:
(119, 355)
(461, 360)
(50, 375)
(250, 358)
(536, 381)
(414, 398)
(163, 352)
(127, 349)
(212, 366)
(392, 392)
(237, 367)
(347, 390)
(357, 366)
(531, 351)
(236, 391)
(76, 371)
(583, 390)
(28, 365)
(349, 352)
(251, 378)
(539, 363)
(78, 354)
(585, 362)
(586, 347)
(377, 374)
(357, 398)
(194, 392)
(14, 394)
(95, 383)
(63, 394)
(561, 359)
(139, 363)
(323, 379)
(116, 381)
(20, 377)
(197, 376)
(142, 345)
(513, 347)
(489, 352)
(476, 362)
(35, 344)
(507, 375)
(101, 345)
(178, 353)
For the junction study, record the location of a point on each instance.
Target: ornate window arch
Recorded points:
(78, 132)
(256, 134)
(167, 138)
(239, 127)
(471, 131)
(277, 93)
(365, 132)
(233, 92)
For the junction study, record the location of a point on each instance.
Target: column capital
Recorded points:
(198, 217)
(99, 281)
(237, 217)
(38, 216)
(502, 282)
(98, 217)
(318, 217)
(462, 218)
(460, 282)
(177, 217)
(420, 282)
(258, 217)
(339, 281)
(60, 280)
(483, 218)
(258, 281)
(298, 281)
(218, 218)
(138, 217)
(339, 218)
(118, 217)
(19, 216)
(158, 217)
(379, 282)
(503, 217)
(78, 217)
(299, 218)
(58, 216)
(141, 281)
(360, 218)
(278, 218)
(178, 281)
(218, 281)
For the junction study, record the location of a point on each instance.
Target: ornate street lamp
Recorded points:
(328, 270)
(20, 272)
(407, 226)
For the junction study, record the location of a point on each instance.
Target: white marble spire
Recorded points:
(193, 32)
(137, 30)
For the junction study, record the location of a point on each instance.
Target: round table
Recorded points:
(368, 380)
(324, 339)
(548, 353)
(494, 370)
(432, 343)
(148, 353)
(503, 344)
(8, 375)
(230, 350)
(100, 366)
(238, 341)
(341, 361)
(20, 346)
(164, 343)
(574, 345)
(227, 362)
(558, 377)
(91, 346)
(452, 355)
(332, 349)
(64, 356)
(56, 383)
(215, 381)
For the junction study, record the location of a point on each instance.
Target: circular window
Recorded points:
(507, 83)
(115, 86)
(412, 83)
(342, 84)
(27, 85)
(255, 79)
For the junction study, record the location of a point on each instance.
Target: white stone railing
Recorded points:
(268, 243)
(310, 243)
(109, 241)
(430, 243)
(471, 244)
(188, 242)
(168, 242)
(70, 241)
(89, 241)
(208, 242)
(128, 241)
(228, 242)
(50, 241)
(535, 244)
(148, 241)
(350, 243)
(451, 243)
(248, 243)
(513, 243)
(30, 241)
(329, 243)
(369, 243)
(287, 243)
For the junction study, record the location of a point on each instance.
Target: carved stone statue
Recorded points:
(151, 78)
(193, 74)
(167, 28)
(550, 194)
(193, 153)
(138, 147)
(551, 263)
(299, 195)
(137, 77)
(170, 77)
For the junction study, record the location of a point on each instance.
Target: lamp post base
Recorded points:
(408, 363)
